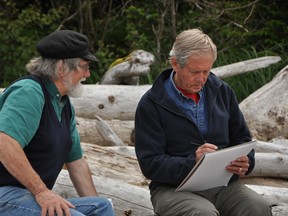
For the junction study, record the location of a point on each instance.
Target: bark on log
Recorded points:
(266, 110)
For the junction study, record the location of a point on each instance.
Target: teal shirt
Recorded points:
(21, 109)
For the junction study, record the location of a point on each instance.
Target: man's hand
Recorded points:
(203, 149)
(239, 166)
(52, 203)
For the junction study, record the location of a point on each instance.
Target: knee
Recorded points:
(262, 210)
(104, 206)
(204, 212)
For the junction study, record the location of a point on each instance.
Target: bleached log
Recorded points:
(245, 66)
(114, 162)
(120, 162)
(90, 134)
(129, 198)
(265, 181)
(128, 69)
(120, 101)
(271, 165)
(109, 101)
(274, 195)
(125, 197)
(266, 110)
(276, 146)
(107, 133)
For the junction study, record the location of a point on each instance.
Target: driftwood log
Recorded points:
(117, 175)
(128, 200)
(120, 101)
(109, 101)
(266, 110)
(245, 66)
(90, 131)
(126, 71)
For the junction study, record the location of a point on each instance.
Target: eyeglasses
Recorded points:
(84, 67)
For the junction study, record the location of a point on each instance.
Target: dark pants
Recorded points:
(234, 200)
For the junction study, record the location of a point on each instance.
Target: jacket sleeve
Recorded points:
(150, 145)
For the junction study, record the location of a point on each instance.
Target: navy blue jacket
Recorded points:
(164, 132)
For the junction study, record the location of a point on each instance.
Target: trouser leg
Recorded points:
(20, 202)
(167, 202)
(239, 200)
(93, 206)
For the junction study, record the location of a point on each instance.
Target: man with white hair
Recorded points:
(38, 133)
(187, 113)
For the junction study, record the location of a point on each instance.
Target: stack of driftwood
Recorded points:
(105, 119)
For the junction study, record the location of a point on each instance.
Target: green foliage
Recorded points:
(241, 30)
(246, 84)
(20, 30)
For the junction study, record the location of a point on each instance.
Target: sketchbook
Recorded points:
(210, 170)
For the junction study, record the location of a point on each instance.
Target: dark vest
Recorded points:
(50, 146)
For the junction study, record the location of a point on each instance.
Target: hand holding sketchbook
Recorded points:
(210, 170)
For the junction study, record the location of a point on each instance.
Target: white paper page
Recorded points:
(212, 171)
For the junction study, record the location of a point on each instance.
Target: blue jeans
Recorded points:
(20, 202)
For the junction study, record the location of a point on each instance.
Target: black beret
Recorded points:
(65, 44)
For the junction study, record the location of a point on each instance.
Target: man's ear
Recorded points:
(174, 63)
(60, 68)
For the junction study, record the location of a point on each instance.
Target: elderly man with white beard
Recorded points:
(38, 133)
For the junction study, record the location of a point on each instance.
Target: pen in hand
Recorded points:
(199, 144)
(194, 143)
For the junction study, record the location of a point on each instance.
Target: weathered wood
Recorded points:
(120, 101)
(277, 145)
(128, 69)
(109, 101)
(89, 133)
(114, 162)
(121, 162)
(265, 181)
(245, 66)
(266, 110)
(274, 195)
(107, 133)
(125, 197)
(129, 198)
(116, 171)
(271, 165)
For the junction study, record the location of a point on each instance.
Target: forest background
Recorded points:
(241, 29)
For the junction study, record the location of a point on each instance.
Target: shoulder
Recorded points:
(23, 91)
(24, 84)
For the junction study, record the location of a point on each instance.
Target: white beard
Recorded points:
(76, 90)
